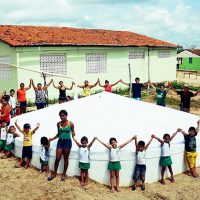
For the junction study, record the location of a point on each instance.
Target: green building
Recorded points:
(87, 54)
(189, 59)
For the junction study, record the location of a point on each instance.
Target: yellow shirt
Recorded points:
(27, 138)
(86, 91)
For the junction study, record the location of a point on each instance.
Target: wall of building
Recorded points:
(195, 65)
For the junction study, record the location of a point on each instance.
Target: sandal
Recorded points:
(62, 178)
(133, 188)
(142, 187)
(50, 178)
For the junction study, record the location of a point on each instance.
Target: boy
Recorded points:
(3, 134)
(12, 103)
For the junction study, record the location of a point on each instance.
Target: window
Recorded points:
(5, 68)
(136, 55)
(164, 54)
(96, 63)
(54, 63)
(190, 60)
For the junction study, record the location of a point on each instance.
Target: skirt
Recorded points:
(9, 147)
(84, 165)
(113, 166)
(165, 161)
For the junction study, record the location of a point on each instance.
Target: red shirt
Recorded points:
(108, 88)
(21, 95)
(7, 117)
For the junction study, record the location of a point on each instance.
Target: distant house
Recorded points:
(84, 53)
(189, 59)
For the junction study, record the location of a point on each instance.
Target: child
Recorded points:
(27, 143)
(44, 155)
(12, 134)
(190, 148)
(114, 164)
(108, 86)
(84, 158)
(12, 103)
(140, 168)
(3, 134)
(165, 160)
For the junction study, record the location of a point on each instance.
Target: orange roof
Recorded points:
(195, 51)
(48, 36)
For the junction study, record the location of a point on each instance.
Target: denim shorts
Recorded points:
(23, 104)
(40, 105)
(64, 144)
(27, 152)
(139, 173)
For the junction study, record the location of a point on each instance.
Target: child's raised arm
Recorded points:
(18, 127)
(36, 128)
(136, 145)
(183, 132)
(91, 143)
(76, 141)
(146, 147)
(198, 126)
(104, 144)
(159, 140)
(16, 134)
(124, 144)
(172, 137)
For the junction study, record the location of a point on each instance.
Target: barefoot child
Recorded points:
(44, 155)
(114, 164)
(27, 143)
(3, 134)
(140, 168)
(84, 158)
(190, 148)
(165, 160)
(12, 134)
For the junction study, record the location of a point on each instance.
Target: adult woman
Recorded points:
(5, 110)
(62, 91)
(21, 97)
(87, 88)
(65, 130)
(107, 86)
(40, 94)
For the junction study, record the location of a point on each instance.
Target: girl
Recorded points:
(27, 143)
(5, 110)
(3, 134)
(114, 164)
(107, 86)
(64, 145)
(190, 148)
(87, 88)
(140, 168)
(165, 160)
(44, 155)
(12, 134)
(62, 91)
(84, 158)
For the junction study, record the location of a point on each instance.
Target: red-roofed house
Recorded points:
(83, 53)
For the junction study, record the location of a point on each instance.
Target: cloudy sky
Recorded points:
(176, 21)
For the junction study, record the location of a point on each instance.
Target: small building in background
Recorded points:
(189, 59)
(87, 54)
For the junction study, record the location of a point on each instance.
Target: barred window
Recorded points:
(5, 68)
(136, 55)
(164, 54)
(54, 63)
(96, 63)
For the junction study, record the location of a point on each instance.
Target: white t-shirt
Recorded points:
(12, 102)
(3, 133)
(10, 138)
(44, 154)
(141, 157)
(165, 150)
(84, 155)
(114, 154)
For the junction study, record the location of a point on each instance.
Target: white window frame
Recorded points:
(5, 68)
(164, 54)
(136, 55)
(96, 63)
(54, 63)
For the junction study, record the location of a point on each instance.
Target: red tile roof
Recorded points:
(48, 36)
(195, 51)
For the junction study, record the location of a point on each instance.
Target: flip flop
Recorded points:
(62, 178)
(133, 188)
(50, 178)
(143, 188)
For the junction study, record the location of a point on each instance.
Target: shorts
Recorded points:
(2, 144)
(44, 163)
(27, 152)
(40, 105)
(114, 166)
(64, 144)
(165, 161)
(63, 99)
(184, 109)
(13, 111)
(139, 173)
(84, 165)
(191, 158)
(22, 104)
(9, 147)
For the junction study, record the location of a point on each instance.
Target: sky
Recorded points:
(176, 21)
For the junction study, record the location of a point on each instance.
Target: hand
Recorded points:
(198, 122)
(153, 136)
(120, 80)
(95, 138)
(179, 129)
(134, 137)
(38, 125)
(16, 121)
(73, 83)
(50, 139)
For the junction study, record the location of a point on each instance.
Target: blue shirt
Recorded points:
(136, 89)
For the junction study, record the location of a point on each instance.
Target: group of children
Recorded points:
(7, 136)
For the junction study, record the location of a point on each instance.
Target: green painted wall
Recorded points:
(6, 50)
(194, 66)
